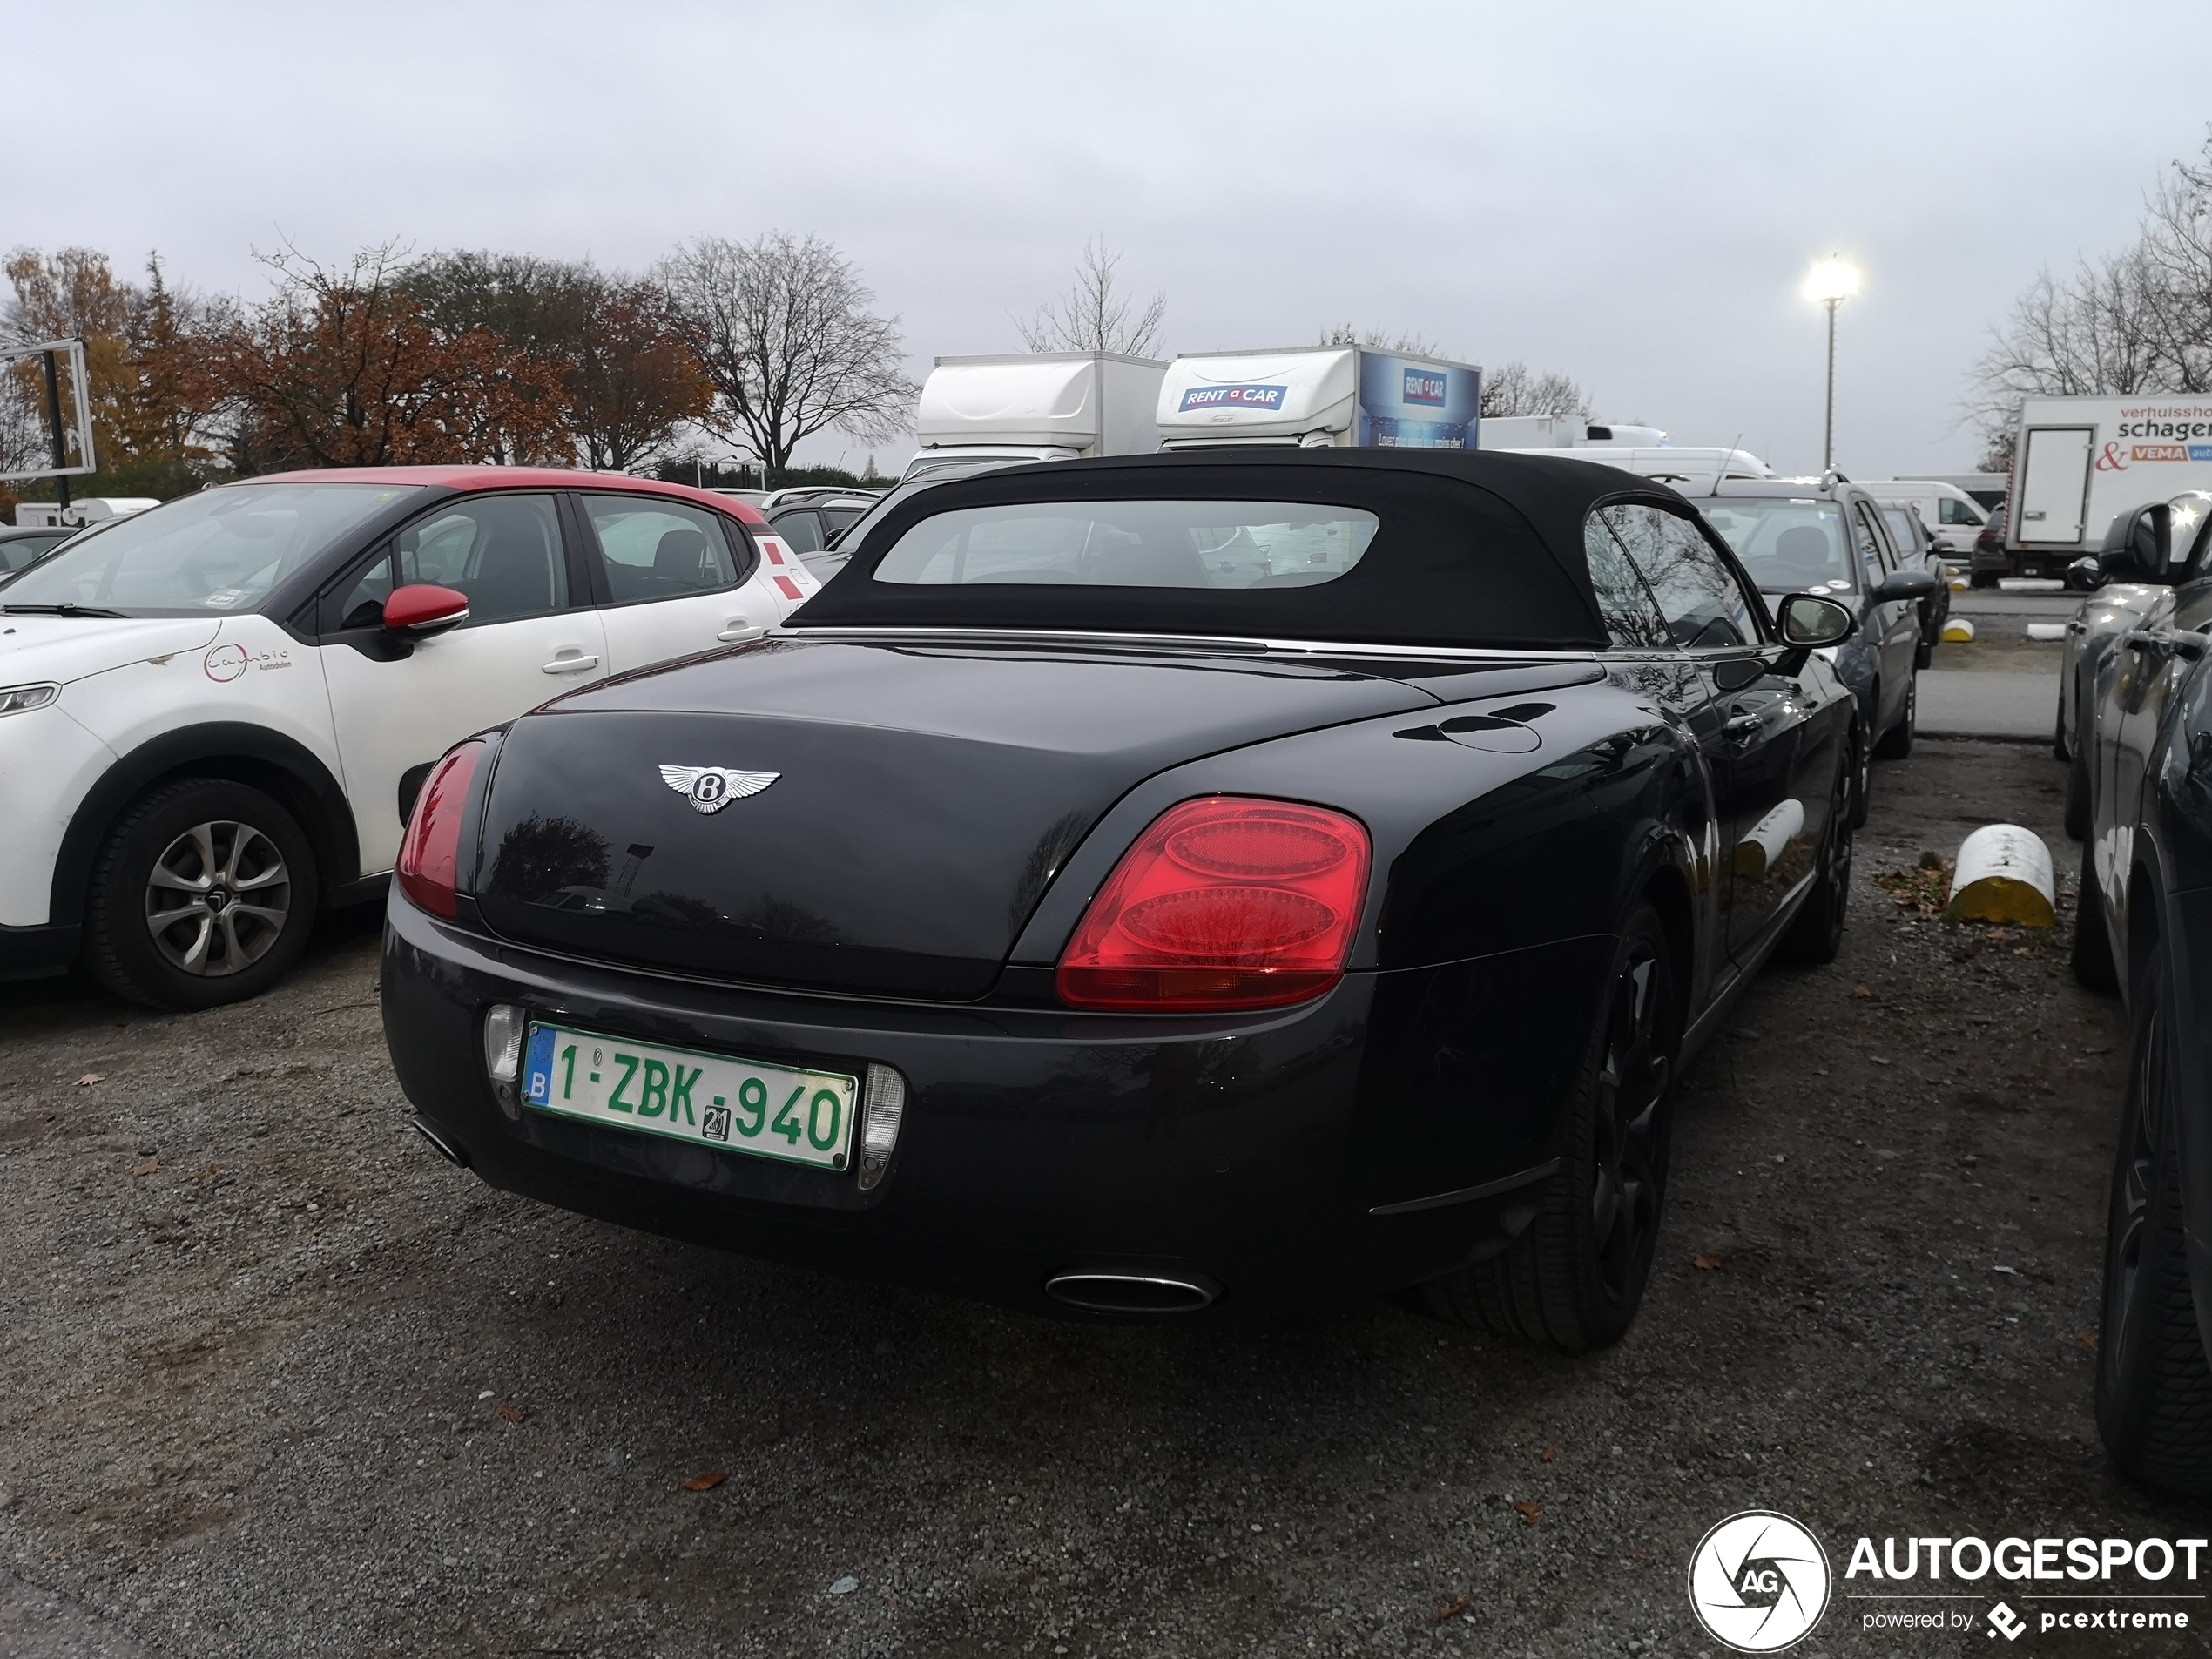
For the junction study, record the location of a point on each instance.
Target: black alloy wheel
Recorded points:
(2091, 957)
(1817, 933)
(203, 893)
(1897, 742)
(2154, 1393)
(1574, 1278)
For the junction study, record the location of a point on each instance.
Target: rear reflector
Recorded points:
(431, 853)
(1223, 903)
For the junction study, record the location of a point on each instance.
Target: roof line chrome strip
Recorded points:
(1217, 641)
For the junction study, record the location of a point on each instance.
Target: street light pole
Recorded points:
(1828, 429)
(1830, 283)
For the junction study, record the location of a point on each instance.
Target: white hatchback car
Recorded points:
(214, 717)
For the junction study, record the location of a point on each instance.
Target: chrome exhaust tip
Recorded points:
(444, 1147)
(1118, 1293)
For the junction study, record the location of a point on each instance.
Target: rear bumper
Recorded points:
(1250, 1151)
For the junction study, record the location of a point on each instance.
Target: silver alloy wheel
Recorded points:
(217, 899)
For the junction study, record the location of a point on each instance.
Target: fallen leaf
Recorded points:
(147, 1168)
(90, 1078)
(513, 1413)
(1551, 1454)
(2087, 1339)
(210, 1171)
(1530, 1512)
(706, 1482)
(1705, 1263)
(1464, 1604)
(1862, 993)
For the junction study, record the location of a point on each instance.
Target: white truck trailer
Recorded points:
(1035, 406)
(1319, 397)
(2079, 462)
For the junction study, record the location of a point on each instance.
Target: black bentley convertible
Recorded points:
(1133, 886)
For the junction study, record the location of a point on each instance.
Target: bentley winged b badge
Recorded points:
(711, 788)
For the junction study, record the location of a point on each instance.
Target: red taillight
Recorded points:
(431, 853)
(1224, 903)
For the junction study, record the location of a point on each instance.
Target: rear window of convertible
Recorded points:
(1325, 553)
(1133, 544)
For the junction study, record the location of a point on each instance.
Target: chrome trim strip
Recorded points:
(1208, 642)
(1467, 1195)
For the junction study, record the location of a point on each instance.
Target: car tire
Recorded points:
(2154, 1389)
(1862, 779)
(1982, 579)
(2060, 749)
(2077, 792)
(1924, 654)
(1897, 742)
(1573, 1279)
(1817, 933)
(234, 875)
(2091, 958)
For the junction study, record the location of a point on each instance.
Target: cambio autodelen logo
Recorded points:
(1758, 1582)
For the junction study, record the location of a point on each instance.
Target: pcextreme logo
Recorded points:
(1758, 1582)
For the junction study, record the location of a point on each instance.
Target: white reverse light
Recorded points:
(885, 1105)
(503, 1025)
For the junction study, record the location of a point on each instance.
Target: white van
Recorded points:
(1952, 516)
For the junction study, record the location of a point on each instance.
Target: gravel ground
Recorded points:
(281, 1382)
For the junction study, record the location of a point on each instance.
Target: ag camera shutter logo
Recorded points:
(1758, 1582)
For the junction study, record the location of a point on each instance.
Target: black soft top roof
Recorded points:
(1473, 548)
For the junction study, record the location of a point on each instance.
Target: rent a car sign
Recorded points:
(2166, 432)
(1267, 398)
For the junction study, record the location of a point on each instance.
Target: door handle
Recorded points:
(569, 662)
(1741, 725)
(738, 629)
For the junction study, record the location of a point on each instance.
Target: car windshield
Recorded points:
(1133, 544)
(219, 550)
(1789, 544)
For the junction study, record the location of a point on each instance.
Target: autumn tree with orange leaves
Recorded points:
(342, 368)
(146, 370)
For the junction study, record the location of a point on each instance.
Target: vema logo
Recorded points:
(1425, 386)
(1758, 1582)
(1236, 397)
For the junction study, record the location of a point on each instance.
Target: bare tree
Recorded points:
(1515, 388)
(1094, 316)
(2140, 320)
(782, 326)
(1408, 344)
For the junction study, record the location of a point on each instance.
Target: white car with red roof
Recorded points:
(214, 716)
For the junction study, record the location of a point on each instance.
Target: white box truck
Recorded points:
(1035, 406)
(1319, 397)
(2079, 462)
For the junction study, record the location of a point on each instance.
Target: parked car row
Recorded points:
(1132, 760)
(2135, 720)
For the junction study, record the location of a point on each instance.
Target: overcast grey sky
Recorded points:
(1630, 194)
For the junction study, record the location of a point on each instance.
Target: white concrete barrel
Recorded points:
(2003, 875)
(1761, 850)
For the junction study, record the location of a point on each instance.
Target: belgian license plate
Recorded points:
(706, 1099)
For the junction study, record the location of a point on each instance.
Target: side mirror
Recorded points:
(2143, 548)
(1810, 622)
(2084, 576)
(421, 609)
(1906, 584)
